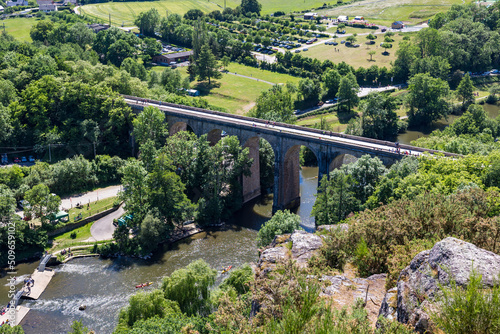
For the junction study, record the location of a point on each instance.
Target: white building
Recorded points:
(343, 18)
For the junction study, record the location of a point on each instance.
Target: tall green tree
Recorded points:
(331, 82)
(275, 104)
(7, 203)
(207, 66)
(465, 90)
(348, 92)
(148, 21)
(426, 99)
(250, 6)
(41, 201)
(335, 198)
(150, 125)
(378, 119)
(310, 90)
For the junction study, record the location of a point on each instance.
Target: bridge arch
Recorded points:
(179, 126)
(290, 197)
(341, 159)
(213, 136)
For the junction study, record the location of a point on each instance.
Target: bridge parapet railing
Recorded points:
(296, 127)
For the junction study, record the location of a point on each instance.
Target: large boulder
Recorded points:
(304, 245)
(419, 283)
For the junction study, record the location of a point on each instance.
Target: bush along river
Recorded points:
(105, 285)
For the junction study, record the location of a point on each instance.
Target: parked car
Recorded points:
(23, 159)
(305, 49)
(342, 42)
(297, 51)
(384, 30)
(495, 71)
(17, 160)
(335, 43)
(347, 43)
(31, 159)
(356, 45)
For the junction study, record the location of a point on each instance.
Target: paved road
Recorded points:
(102, 193)
(103, 228)
(279, 128)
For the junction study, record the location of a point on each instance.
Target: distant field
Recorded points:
(237, 94)
(124, 13)
(357, 57)
(19, 27)
(387, 11)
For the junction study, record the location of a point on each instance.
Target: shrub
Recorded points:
(282, 222)
(73, 235)
(465, 215)
(469, 310)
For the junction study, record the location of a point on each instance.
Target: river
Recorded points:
(406, 138)
(105, 285)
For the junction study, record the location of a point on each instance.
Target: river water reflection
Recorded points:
(492, 110)
(105, 285)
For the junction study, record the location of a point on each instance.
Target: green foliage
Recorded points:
(465, 90)
(266, 162)
(147, 21)
(331, 82)
(189, 287)
(239, 279)
(348, 92)
(145, 305)
(282, 222)
(347, 189)
(379, 119)
(470, 309)
(150, 125)
(7, 203)
(426, 99)
(206, 65)
(388, 230)
(42, 202)
(275, 104)
(77, 327)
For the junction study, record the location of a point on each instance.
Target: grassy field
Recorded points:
(357, 57)
(19, 27)
(337, 124)
(93, 208)
(387, 11)
(124, 13)
(236, 94)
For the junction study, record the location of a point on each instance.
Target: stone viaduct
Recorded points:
(329, 148)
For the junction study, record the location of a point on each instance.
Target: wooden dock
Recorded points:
(42, 279)
(21, 312)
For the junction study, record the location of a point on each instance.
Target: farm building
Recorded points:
(168, 58)
(98, 27)
(310, 16)
(359, 18)
(343, 18)
(1, 8)
(47, 7)
(397, 25)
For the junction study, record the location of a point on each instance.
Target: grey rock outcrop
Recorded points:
(303, 246)
(418, 284)
(340, 227)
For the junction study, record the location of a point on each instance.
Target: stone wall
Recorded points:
(80, 223)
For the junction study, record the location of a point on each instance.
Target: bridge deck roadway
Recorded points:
(278, 128)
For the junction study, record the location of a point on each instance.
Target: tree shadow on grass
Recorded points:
(345, 116)
(204, 87)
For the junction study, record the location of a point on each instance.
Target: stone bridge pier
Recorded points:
(285, 140)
